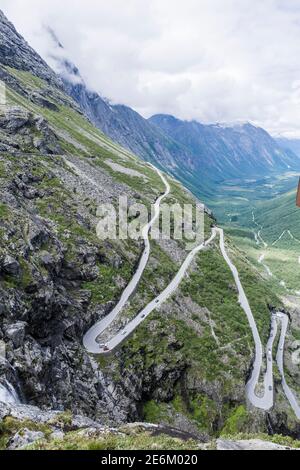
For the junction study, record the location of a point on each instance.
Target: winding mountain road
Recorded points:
(90, 341)
(90, 338)
(259, 395)
(265, 400)
(279, 358)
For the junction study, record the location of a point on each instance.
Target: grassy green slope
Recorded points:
(278, 220)
(278, 215)
(201, 337)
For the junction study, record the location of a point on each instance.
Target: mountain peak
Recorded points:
(167, 117)
(60, 60)
(15, 52)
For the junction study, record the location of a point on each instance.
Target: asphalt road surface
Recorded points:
(284, 319)
(261, 396)
(90, 338)
(91, 343)
(263, 399)
(266, 400)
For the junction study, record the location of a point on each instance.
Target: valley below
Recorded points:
(264, 221)
(262, 218)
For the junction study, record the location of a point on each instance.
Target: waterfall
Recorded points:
(8, 394)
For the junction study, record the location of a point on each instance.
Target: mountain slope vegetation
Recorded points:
(187, 365)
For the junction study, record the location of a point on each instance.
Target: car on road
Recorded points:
(124, 333)
(270, 388)
(157, 301)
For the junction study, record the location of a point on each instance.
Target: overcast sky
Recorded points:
(209, 60)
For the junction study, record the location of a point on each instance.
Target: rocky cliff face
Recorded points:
(15, 52)
(126, 126)
(187, 364)
(27, 427)
(22, 131)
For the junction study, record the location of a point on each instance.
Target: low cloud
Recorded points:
(209, 60)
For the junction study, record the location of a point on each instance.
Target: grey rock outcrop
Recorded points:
(11, 266)
(16, 333)
(24, 438)
(251, 444)
(15, 52)
(20, 130)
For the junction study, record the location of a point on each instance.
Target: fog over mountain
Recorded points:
(180, 58)
(199, 155)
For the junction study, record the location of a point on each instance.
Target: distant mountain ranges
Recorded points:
(199, 155)
(291, 144)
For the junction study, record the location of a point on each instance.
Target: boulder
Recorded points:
(57, 435)
(24, 438)
(250, 444)
(11, 266)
